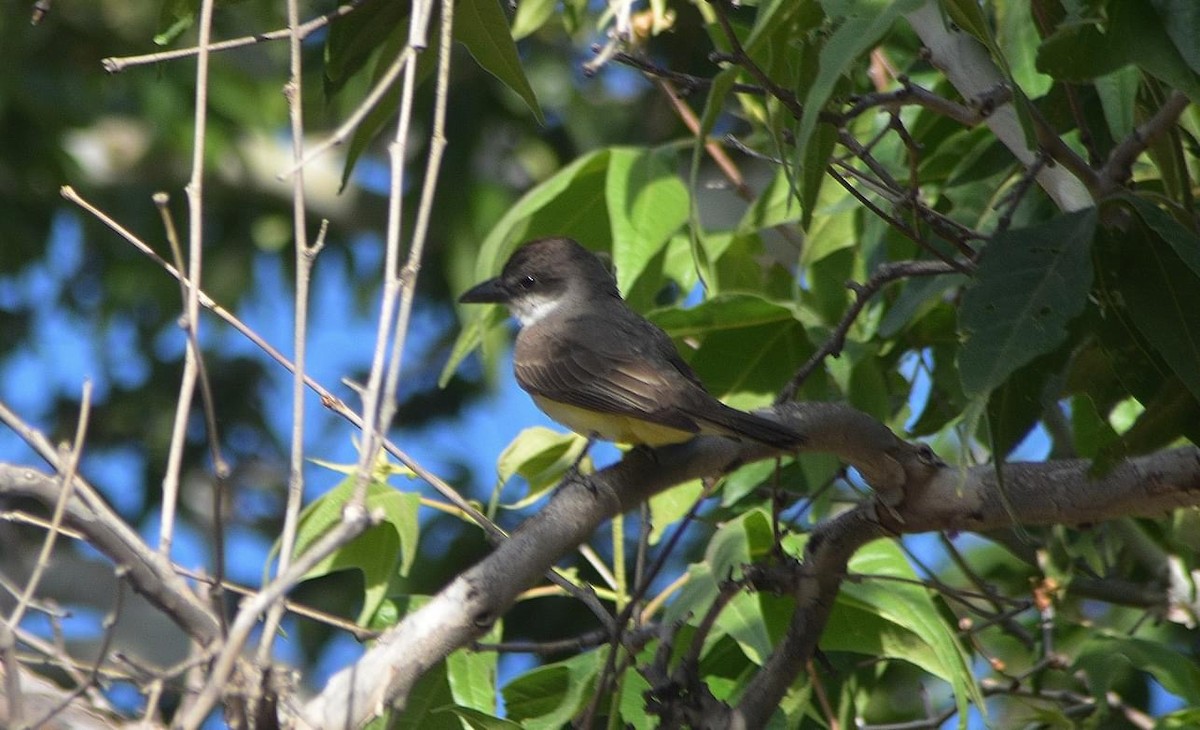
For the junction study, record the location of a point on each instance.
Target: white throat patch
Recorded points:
(532, 308)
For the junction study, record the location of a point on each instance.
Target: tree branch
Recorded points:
(919, 493)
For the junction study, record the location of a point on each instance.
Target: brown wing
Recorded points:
(611, 363)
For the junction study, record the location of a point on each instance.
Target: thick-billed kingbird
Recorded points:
(599, 368)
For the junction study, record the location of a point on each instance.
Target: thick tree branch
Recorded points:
(150, 575)
(945, 498)
(916, 493)
(969, 68)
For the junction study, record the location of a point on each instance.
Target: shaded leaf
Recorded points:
(1031, 282)
(1105, 658)
(550, 695)
(855, 35)
(1160, 289)
(898, 619)
(354, 38)
(1014, 407)
(481, 26)
(1134, 34)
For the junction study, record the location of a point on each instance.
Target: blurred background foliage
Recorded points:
(961, 361)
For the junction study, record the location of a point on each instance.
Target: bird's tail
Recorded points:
(741, 425)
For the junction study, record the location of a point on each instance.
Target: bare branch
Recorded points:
(1118, 168)
(149, 574)
(116, 64)
(863, 293)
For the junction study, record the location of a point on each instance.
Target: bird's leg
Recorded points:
(572, 473)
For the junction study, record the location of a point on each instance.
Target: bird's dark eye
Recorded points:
(527, 282)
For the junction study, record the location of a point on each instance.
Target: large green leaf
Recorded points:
(1104, 658)
(380, 553)
(670, 505)
(481, 26)
(549, 696)
(858, 32)
(897, 619)
(353, 39)
(541, 456)
(1135, 34)
(530, 16)
(423, 706)
(647, 204)
(1014, 407)
(1031, 283)
(472, 675)
(1159, 285)
(746, 347)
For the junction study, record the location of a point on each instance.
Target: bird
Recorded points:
(596, 366)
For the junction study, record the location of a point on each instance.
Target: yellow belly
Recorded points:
(611, 427)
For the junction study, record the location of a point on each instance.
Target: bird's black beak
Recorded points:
(491, 291)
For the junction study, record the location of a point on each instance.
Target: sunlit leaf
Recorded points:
(647, 203)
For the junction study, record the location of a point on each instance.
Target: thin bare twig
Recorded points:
(195, 195)
(116, 64)
(353, 523)
(376, 410)
(884, 275)
(304, 257)
(343, 132)
(328, 399)
(12, 675)
(406, 278)
(56, 519)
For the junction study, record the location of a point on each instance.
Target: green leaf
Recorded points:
(1105, 658)
(472, 675)
(833, 223)
(1118, 96)
(384, 112)
(737, 543)
(549, 696)
(541, 456)
(480, 25)
(1159, 285)
(1017, 38)
(898, 619)
(1015, 406)
(1031, 282)
(774, 206)
(1135, 34)
(855, 35)
(531, 16)
(354, 38)
(380, 553)
(477, 720)
(1170, 413)
(1182, 240)
(424, 705)
(670, 505)
(647, 204)
(768, 341)
(744, 621)
(1181, 18)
